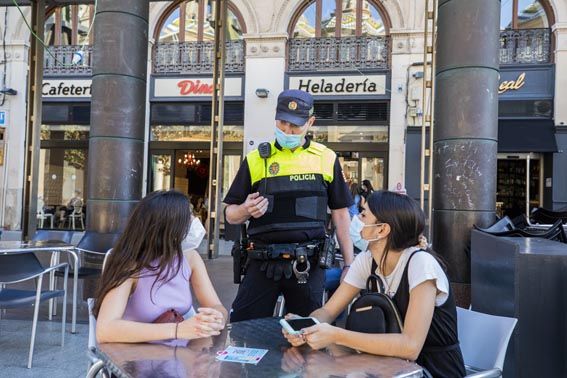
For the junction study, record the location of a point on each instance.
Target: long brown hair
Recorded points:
(151, 240)
(406, 220)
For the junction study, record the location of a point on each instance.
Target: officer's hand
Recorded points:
(256, 205)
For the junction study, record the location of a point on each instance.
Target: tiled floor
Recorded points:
(50, 360)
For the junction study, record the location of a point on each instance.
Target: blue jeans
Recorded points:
(332, 282)
(332, 279)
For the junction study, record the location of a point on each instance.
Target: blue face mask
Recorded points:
(356, 226)
(288, 141)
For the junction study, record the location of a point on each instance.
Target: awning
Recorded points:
(536, 135)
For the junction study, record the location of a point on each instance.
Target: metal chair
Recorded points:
(544, 216)
(49, 235)
(96, 365)
(484, 340)
(91, 250)
(555, 232)
(504, 224)
(21, 267)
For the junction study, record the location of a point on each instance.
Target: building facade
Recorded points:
(361, 59)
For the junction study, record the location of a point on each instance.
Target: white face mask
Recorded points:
(194, 236)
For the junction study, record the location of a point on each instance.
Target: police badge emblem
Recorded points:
(274, 169)
(292, 105)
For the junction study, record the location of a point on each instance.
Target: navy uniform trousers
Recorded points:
(257, 294)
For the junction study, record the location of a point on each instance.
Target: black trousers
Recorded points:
(257, 295)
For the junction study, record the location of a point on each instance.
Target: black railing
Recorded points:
(67, 60)
(522, 46)
(330, 54)
(196, 57)
(525, 46)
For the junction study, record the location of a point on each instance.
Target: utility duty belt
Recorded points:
(320, 252)
(299, 253)
(289, 251)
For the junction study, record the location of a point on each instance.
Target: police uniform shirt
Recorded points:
(337, 192)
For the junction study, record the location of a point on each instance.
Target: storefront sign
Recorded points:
(526, 83)
(340, 85)
(195, 87)
(513, 85)
(66, 88)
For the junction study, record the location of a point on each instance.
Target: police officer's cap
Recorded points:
(294, 106)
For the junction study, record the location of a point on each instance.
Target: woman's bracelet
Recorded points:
(346, 266)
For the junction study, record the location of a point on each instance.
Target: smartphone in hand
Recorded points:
(295, 326)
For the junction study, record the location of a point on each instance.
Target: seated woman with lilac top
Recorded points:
(151, 270)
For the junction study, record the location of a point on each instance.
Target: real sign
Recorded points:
(66, 88)
(340, 85)
(195, 87)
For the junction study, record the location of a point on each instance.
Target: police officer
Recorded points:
(284, 189)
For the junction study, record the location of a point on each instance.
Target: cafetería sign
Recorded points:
(66, 88)
(340, 85)
(195, 87)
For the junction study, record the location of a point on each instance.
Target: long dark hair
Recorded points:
(354, 189)
(151, 240)
(405, 218)
(368, 185)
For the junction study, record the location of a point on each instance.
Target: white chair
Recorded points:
(96, 366)
(77, 213)
(42, 215)
(484, 340)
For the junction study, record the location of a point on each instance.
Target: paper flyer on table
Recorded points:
(242, 355)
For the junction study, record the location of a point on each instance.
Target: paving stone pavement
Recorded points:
(71, 361)
(50, 359)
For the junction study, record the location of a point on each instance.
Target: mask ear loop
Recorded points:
(370, 225)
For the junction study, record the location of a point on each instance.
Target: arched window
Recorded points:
(340, 18)
(69, 25)
(524, 14)
(525, 35)
(192, 20)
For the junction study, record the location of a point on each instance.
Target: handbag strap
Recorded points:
(374, 280)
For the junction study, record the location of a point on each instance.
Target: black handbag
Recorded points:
(374, 311)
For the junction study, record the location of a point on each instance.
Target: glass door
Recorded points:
(61, 188)
(350, 166)
(373, 169)
(519, 184)
(230, 165)
(360, 166)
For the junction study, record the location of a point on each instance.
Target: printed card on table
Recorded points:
(242, 355)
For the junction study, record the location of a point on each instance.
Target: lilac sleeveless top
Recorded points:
(175, 294)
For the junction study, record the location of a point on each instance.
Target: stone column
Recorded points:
(466, 130)
(116, 143)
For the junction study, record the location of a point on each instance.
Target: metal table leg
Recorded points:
(75, 283)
